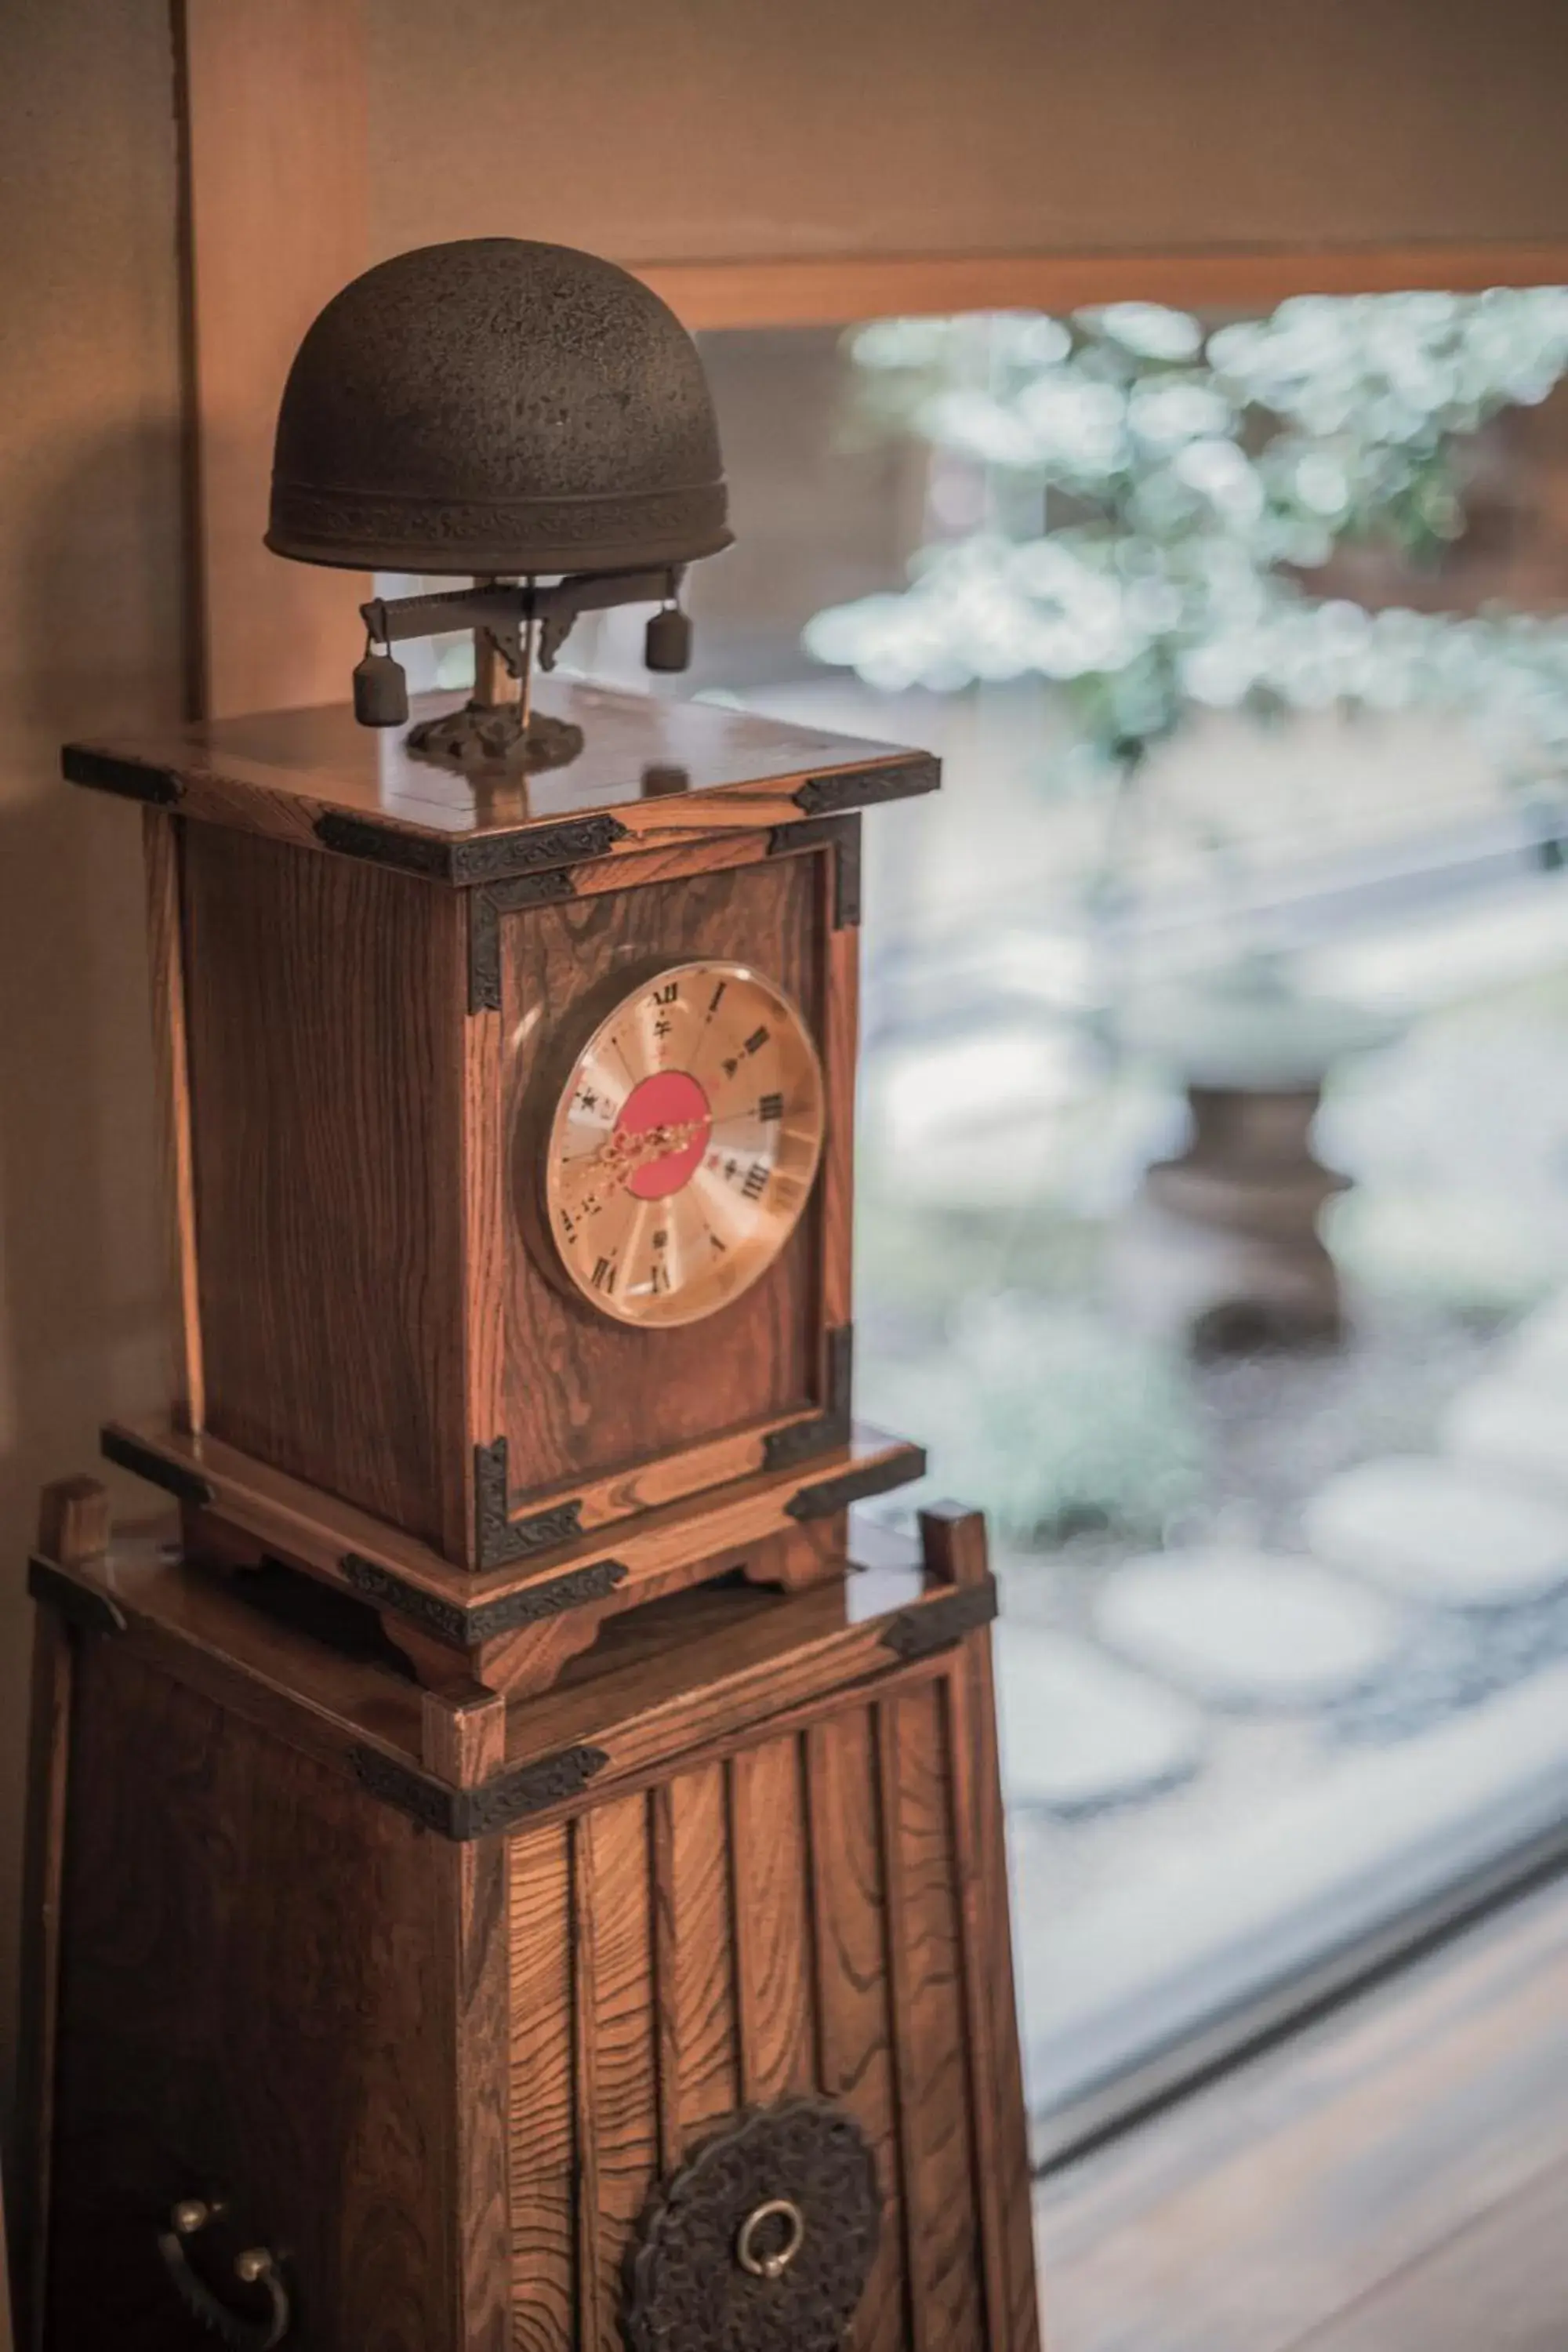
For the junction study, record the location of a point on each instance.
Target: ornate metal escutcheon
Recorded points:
(762, 2241)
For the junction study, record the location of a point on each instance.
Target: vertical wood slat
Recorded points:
(953, 1542)
(848, 1912)
(899, 1964)
(924, 1958)
(481, 2191)
(543, 2133)
(484, 1236)
(841, 999)
(665, 1975)
(622, 2088)
(584, 2082)
(276, 143)
(166, 969)
(698, 2026)
(776, 2004)
(1001, 2151)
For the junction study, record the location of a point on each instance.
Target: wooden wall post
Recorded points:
(276, 194)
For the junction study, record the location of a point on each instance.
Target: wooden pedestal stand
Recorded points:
(499, 1876)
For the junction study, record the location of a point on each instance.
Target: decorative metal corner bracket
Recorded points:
(936, 1624)
(479, 857)
(129, 779)
(462, 1814)
(185, 1484)
(858, 1484)
(466, 1628)
(842, 835)
(498, 1539)
(82, 1606)
(486, 907)
(829, 1431)
(854, 788)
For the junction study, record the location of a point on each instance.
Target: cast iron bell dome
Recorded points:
(497, 407)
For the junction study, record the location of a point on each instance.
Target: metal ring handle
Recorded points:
(773, 2266)
(258, 2267)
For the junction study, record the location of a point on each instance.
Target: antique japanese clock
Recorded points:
(502, 1874)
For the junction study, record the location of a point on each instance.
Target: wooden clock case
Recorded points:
(353, 1038)
(499, 1822)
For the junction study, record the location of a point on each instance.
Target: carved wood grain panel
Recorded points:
(250, 1999)
(625, 2091)
(543, 2155)
(473, 1882)
(698, 2038)
(326, 999)
(584, 1396)
(776, 1994)
(792, 1917)
(849, 1909)
(924, 1940)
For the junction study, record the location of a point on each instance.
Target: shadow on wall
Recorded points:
(97, 588)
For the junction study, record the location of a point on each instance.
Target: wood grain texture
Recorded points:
(166, 969)
(942, 2245)
(276, 117)
(775, 1987)
(463, 1732)
(622, 2088)
(1263, 2213)
(1502, 2280)
(749, 1901)
(326, 1003)
(849, 1931)
(840, 1049)
(485, 1239)
(192, 1624)
(1001, 2157)
(749, 1524)
(699, 2035)
(665, 1983)
(248, 1992)
(750, 1662)
(543, 2155)
(278, 771)
(586, 1396)
(472, 1887)
(952, 1543)
(594, 2311)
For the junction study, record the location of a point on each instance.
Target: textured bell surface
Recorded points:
(497, 407)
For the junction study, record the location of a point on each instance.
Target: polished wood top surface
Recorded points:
(650, 769)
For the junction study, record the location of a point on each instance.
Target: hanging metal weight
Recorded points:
(381, 691)
(668, 642)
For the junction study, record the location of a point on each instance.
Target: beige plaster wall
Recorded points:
(743, 129)
(91, 635)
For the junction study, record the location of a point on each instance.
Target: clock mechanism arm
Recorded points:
(505, 612)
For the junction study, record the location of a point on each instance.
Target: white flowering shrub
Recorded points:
(1153, 492)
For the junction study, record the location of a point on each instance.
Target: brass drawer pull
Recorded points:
(256, 2267)
(774, 2265)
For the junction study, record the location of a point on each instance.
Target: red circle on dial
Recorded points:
(672, 1101)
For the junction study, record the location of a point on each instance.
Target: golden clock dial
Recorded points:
(684, 1144)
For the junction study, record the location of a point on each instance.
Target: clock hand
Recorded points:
(624, 1152)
